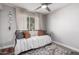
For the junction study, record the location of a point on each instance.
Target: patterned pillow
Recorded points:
(19, 35)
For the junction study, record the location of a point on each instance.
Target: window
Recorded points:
(30, 23)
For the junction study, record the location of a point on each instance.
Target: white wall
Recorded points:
(21, 16)
(64, 24)
(6, 35)
(0, 6)
(0, 28)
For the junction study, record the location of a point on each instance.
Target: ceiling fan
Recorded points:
(45, 6)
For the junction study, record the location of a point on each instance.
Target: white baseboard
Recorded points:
(72, 48)
(6, 46)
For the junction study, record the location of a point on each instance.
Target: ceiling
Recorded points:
(32, 6)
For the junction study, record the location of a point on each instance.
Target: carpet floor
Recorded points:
(51, 49)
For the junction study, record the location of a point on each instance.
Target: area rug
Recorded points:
(51, 49)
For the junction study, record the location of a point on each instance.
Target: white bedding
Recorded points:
(31, 43)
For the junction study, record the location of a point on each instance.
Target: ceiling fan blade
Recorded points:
(48, 9)
(46, 3)
(38, 8)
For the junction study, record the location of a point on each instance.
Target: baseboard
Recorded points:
(67, 46)
(6, 46)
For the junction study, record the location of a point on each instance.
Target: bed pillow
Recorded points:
(41, 32)
(19, 35)
(33, 33)
(26, 34)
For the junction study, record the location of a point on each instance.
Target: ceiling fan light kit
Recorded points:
(45, 6)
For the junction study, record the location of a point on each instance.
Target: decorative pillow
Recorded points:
(33, 33)
(41, 32)
(19, 35)
(26, 34)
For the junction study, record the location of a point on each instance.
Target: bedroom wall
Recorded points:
(0, 6)
(21, 16)
(0, 26)
(63, 25)
(6, 36)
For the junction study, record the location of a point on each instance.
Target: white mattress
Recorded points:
(31, 43)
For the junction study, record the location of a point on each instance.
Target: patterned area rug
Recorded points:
(51, 49)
